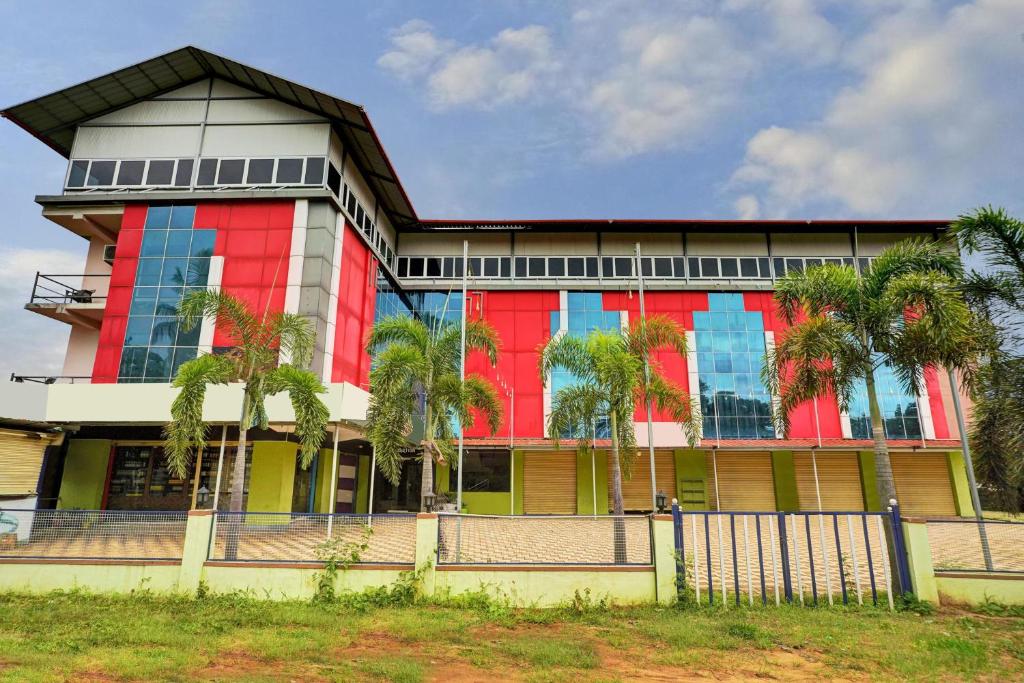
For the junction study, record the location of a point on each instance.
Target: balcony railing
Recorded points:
(66, 289)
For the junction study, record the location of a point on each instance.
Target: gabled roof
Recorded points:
(53, 118)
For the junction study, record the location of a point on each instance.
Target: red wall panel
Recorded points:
(122, 279)
(357, 295)
(804, 423)
(522, 321)
(931, 382)
(678, 306)
(254, 237)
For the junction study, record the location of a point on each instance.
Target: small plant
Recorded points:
(908, 602)
(686, 595)
(203, 590)
(584, 603)
(337, 554)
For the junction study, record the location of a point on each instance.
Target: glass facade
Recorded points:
(730, 353)
(174, 261)
(899, 408)
(585, 314)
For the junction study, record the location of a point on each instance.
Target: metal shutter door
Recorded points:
(745, 482)
(922, 483)
(549, 483)
(636, 491)
(21, 458)
(838, 479)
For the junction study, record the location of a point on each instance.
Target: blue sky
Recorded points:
(598, 109)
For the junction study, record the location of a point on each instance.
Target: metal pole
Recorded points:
(373, 475)
(647, 381)
(220, 464)
(593, 468)
(462, 367)
(195, 477)
(334, 484)
(969, 464)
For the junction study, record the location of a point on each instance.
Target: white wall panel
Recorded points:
(556, 244)
(811, 244)
(142, 142)
(307, 139)
(226, 89)
(156, 111)
(726, 244)
(257, 111)
(656, 244)
(197, 89)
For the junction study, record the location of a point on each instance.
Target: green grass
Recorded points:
(74, 636)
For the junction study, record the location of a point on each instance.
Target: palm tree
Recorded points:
(412, 363)
(254, 360)
(611, 380)
(997, 296)
(904, 311)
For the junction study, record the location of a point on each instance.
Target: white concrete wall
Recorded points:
(811, 244)
(81, 353)
(726, 244)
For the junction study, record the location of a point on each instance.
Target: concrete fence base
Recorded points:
(522, 585)
(519, 584)
(952, 587)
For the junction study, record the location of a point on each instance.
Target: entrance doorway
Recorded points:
(403, 497)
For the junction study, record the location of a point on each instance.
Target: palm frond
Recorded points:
(187, 431)
(295, 337)
(905, 257)
(568, 352)
(311, 415)
(656, 332)
(228, 312)
(816, 357)
(398, 329)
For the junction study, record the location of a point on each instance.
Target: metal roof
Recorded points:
(53, 118)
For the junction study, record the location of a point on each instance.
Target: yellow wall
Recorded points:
(85, 474)
(272, 477)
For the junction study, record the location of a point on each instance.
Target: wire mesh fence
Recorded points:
(771, 557)
(92, 534)
(962, 545)
(603, 540)
(301, 537)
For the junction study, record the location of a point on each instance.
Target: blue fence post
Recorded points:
(787, 582)
(677, 537)
(902, 566)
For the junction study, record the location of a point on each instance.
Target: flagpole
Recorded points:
(462, 366)
(647, 381)
(965, 445)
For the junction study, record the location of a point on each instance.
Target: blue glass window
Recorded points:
(173, 256)
(585, 314)
(899, 408)
(730, 353)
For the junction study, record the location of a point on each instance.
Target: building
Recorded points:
(191, 170)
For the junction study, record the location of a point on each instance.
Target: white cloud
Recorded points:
(636, 78)
(31, 344)
(932, 125)
(510, 67)
(747, 207)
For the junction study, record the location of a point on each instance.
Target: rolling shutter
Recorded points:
(549, 483)
(838, 480)
(922, 483)
(21, 459)
(745, 482)
(636, 491)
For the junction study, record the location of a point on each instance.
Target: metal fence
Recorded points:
(301, 537)
(92, 534)
(532, 540)
(771, 557)
(967, 545)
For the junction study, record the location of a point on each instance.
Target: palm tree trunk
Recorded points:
(619, 525)
(884, 482)
(883, 466)
(427, 480)
(238, 483)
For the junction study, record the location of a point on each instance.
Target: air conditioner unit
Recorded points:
(108, 253)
